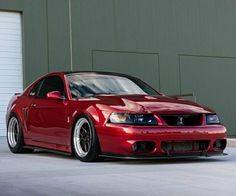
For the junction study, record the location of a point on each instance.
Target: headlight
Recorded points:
(137, 119)
(212, 119)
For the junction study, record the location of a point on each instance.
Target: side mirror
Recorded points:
(55, 95)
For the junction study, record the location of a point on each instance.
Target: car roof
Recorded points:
(97, 72)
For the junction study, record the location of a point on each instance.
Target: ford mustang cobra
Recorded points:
(99, 114)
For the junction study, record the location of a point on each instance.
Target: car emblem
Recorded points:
(180, 121)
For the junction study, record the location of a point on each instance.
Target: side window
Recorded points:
(52, 83)
(35, 89)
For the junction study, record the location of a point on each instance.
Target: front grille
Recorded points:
(182, 120)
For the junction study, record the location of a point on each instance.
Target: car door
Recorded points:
(47, 117)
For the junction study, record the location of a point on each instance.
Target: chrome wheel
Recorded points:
(82, 137)
(13, 132)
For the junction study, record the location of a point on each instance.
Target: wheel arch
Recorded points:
(19, 118)
(75, 119)
(13, 113)
(19, 114)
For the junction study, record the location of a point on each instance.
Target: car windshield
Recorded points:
(83, 85)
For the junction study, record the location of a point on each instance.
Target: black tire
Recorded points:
(80, 141)
(15, 137)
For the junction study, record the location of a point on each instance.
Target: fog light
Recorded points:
(220, 144)
(143, 146)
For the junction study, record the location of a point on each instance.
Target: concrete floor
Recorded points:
(43, 173)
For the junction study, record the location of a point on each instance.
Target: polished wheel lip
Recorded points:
(82, 137)
(13, 132)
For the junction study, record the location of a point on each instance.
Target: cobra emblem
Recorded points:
(180, 121)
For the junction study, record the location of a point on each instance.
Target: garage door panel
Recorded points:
(3, 108)
(2, 119)
(11, 49)
(142, 65)
(10, 65)
(213, 81)
(3, 114)
(10, 91)
(5, 97)
(12, 43)
(3, 128)
(10, 85)
(8, 78)
(8, 27)
(11, 79)
(4, 103)
(11, 32)
(12, 72)
(9, 20)
(10, 37)
(7, 86)
(5, 94)
(14, 15)
(7, 54)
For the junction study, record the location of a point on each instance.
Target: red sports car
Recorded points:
(99, 114)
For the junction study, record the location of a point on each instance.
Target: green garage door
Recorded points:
(212, 79)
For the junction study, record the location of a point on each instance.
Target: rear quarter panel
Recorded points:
(19, 105)
(10, 107)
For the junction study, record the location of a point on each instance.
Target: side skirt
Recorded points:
(48, 150)
(48, 146)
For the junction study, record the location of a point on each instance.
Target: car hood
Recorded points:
(143, 103)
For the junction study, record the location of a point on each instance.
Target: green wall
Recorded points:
(179, 46)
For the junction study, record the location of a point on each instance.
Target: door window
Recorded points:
(34, 92)
(51, 83)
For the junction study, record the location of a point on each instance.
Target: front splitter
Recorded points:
(169, 156)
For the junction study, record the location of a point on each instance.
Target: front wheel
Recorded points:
(85, 141)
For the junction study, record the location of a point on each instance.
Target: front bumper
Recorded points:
(118, 140)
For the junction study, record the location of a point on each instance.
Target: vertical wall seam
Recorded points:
(159, 71)
(115, 25)
(92, 59)
(70, 31)
(180, 87)
(47, 25)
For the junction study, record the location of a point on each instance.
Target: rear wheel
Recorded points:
(85, 141)
(15, 138)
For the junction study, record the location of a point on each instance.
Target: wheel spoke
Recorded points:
(85, 147)
(82, 134)
(85, 131)
(82, 137)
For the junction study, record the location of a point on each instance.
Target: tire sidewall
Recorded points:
(94, 148)
(20, 142)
